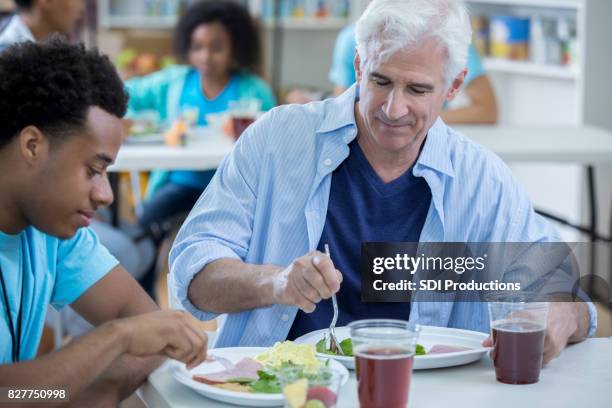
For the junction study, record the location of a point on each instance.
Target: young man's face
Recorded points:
(401, 98)
(68, 181)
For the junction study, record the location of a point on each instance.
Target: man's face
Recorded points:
(69, 180)
(64, 14)
(401, 98)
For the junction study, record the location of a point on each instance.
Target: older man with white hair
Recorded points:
(374, 164)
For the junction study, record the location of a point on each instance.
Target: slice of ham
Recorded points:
(245, 368)
(443, 349)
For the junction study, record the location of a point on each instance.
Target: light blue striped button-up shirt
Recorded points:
(267, 204)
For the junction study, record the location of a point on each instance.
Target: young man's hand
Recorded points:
(168, 332)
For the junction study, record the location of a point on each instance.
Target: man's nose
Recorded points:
(102, 193)
(396, 106)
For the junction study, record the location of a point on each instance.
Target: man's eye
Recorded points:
(92, 172)
(418, 91)
(381, 82)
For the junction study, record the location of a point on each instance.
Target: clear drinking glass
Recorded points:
(518, 326)
(384, 354)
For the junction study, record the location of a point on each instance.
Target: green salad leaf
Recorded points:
(420, 350)
(347, 347)
(266, 384)
(240, 380)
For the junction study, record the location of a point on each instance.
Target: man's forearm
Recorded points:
(118, 382)
(228, 285)
(74, 367)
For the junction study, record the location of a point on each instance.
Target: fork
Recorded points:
(334, 344)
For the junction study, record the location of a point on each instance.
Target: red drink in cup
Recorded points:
(384, 355)
(243, 112)
(518, 326)
(384, 377)
(518, 348)
(240, 124)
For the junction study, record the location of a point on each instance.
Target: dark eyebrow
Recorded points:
(103, 158)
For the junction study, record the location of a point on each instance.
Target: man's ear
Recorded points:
(456, 85)
(33, 145)
(357, 66)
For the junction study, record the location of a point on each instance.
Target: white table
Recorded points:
(581, 377)
(584, 145)
(202, 152)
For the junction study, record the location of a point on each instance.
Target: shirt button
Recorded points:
(327, 162)
(285, 317)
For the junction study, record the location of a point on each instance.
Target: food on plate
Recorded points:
(262, 373)
(299, 395)
(419, 350)
(442, 349)
(290, 352)
(244, 371)
(296, 393)
(322, 394)
(347, 347)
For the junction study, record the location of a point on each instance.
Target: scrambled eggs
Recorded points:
(299, 354)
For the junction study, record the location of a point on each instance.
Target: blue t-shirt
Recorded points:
(193, 97)
(54, 271)
(342, 72)
(362, 208)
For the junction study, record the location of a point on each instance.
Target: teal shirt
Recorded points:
(51, 271)
(193, 97)
(162, 92)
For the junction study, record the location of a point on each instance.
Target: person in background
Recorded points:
(476, 103)
(60, 128)
(35, 20)
(219, 44)
(375, 164)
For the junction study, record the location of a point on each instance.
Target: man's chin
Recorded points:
(63, 232)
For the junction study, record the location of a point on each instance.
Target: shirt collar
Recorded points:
(340, 111)
(436, 153)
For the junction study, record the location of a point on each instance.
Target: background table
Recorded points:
(582, 145)
(581, 376)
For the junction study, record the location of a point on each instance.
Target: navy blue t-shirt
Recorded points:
(362, 208)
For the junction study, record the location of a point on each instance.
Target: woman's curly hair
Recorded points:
(246, 47)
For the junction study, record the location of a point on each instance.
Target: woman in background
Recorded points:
(219, 44)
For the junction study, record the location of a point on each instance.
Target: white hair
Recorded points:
(388, 26)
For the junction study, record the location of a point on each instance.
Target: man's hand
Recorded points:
(306, 281)
(169, 332)
(567, 322)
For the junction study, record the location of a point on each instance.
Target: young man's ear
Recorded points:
(33, 145)
(456, 85)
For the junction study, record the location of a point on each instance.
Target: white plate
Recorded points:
(234, 354)
(429, 336)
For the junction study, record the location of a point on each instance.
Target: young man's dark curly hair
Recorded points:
(237, 21)
(52, 85)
